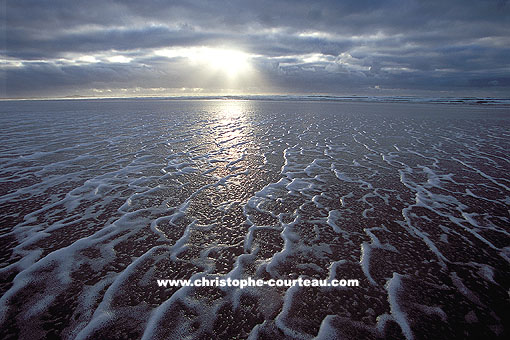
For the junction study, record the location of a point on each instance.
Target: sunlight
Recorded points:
(232, 109)
(231, 62)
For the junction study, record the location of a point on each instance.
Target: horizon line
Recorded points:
(294, 97)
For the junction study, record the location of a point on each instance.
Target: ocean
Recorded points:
(100, 199)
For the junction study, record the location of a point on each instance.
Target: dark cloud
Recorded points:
(20, 45)
(349, 46)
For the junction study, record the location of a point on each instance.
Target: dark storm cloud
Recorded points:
(20, 45)
(298, 46)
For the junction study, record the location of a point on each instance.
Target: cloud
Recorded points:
(350, 46)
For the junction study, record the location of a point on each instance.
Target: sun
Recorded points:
(229, 62)
(218, 67)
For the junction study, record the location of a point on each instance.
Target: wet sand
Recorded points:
(100, 198)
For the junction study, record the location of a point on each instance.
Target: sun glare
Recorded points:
(218, 68)
(231, 62)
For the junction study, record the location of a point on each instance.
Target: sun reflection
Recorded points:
(229, 136)
(231, 118)
(232, 109)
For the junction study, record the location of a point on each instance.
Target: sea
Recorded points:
(408, 197)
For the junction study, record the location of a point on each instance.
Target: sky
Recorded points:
(60, 48)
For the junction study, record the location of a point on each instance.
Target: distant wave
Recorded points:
(320, 98)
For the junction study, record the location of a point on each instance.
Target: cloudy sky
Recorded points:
(344, 47)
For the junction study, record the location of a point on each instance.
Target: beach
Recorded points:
(101, 198)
